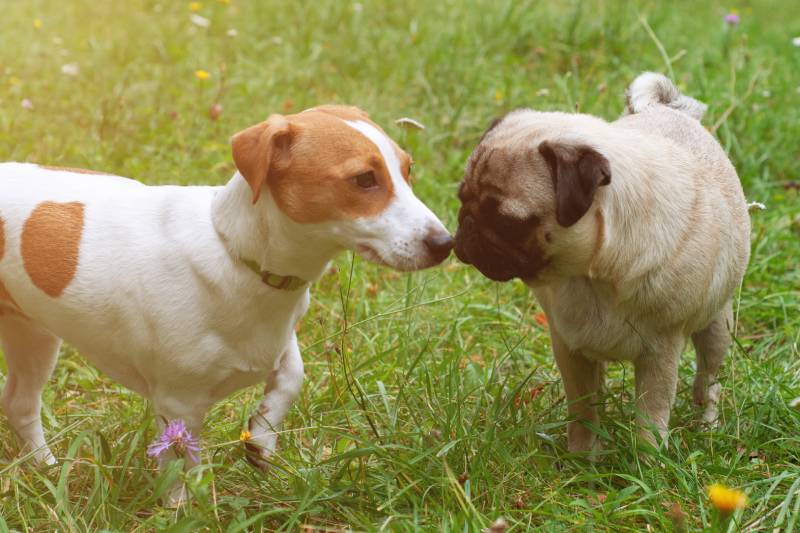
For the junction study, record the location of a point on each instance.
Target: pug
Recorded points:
(633, 235)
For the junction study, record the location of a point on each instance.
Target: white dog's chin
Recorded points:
(400, 263)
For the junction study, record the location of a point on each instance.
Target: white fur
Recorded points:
(396, 235)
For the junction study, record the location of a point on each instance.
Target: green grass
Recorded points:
(439, 361)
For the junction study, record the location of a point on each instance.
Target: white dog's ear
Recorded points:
(577, 171)
(260, 148)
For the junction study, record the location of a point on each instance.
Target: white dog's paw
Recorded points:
(260, 448)
(176, 496)
(41, 454)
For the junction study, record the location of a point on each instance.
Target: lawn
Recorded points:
(431, 400)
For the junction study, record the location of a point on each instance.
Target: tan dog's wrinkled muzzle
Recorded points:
(492, 255)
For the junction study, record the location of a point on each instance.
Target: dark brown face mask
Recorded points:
(495, 243)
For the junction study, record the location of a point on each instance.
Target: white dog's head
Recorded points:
(335, 176)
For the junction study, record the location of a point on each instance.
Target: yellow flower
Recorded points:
(13, 80)
(245, 435)
(202, 74)
(37, 23)
(726, 500)
(224, 1)
(498, 96)
(195, 6)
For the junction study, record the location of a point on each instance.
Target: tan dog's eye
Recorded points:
(366, 180)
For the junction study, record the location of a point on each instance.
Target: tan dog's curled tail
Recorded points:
(651, 88)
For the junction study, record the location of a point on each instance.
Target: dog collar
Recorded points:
(276, 281)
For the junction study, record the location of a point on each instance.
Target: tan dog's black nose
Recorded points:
(439, 244)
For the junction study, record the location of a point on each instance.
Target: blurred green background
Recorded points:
(455, 372)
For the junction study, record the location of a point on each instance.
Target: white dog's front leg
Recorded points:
(282, 388)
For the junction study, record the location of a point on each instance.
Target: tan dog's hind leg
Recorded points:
(656, 384)
(282, 388)
(583, 380)
(711, 345)
(31, 355)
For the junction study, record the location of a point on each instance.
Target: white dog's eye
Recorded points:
(366, 180)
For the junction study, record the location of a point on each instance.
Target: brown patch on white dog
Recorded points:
(51, 239)
(304, 158)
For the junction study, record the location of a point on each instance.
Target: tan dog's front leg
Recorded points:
(583, 379)
(656, 383)
(282, 388)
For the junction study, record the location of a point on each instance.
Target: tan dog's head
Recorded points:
(336, 176)
(528, 187)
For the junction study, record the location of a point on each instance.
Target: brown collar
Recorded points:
(276, 281)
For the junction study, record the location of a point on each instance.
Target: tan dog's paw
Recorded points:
(708, 403)
(582, 440)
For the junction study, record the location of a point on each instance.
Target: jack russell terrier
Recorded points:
(187, 294)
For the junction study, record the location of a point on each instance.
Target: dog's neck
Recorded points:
(261, 233)
(644, 217)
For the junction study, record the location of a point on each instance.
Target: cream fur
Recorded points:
(655, 260)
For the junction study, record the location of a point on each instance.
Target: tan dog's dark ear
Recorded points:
(260, 148)
(577, 171)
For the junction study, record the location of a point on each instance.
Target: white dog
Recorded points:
(187, 294)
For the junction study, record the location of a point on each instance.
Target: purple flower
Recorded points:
(732, 18)
(177, 437)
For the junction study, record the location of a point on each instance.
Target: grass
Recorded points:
(432, 401)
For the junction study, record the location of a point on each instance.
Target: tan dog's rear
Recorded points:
(633, 236)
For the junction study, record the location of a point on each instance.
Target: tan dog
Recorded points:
(633, 235)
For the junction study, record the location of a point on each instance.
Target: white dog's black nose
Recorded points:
(439, 244)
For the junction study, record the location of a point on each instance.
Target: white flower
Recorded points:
(542, 92)
(26, 104)
(232, 32)
(197, 20)
(796, 42)
(358, 7)
(756, 206)
(70, 69)
(277, 40)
